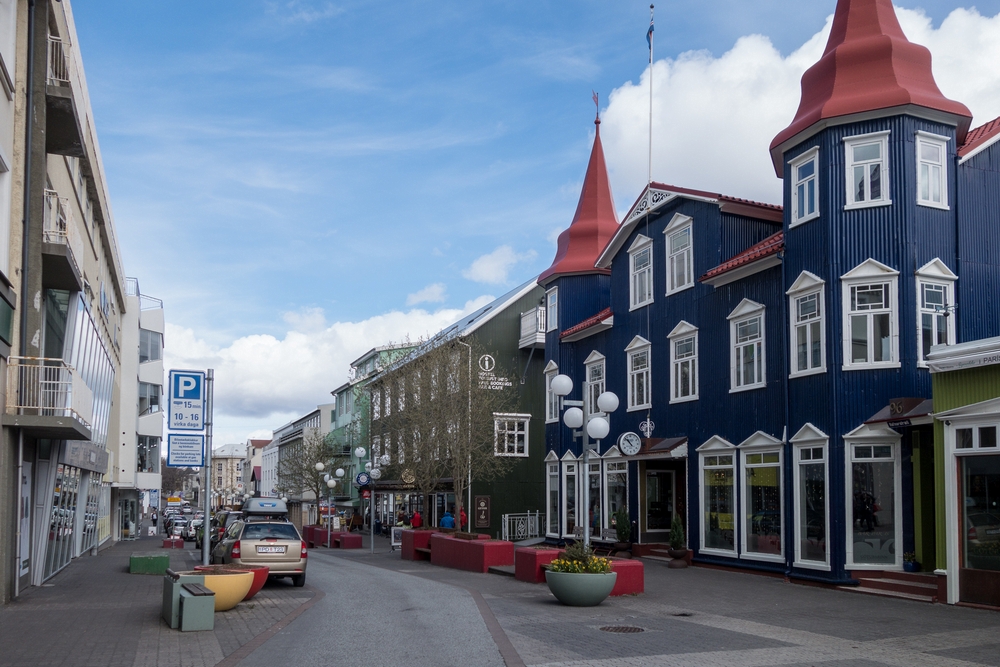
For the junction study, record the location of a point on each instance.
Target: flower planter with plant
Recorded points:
(910, 563)
(678, 550)
(579, 578)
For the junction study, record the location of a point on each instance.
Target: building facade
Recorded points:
(228, 487)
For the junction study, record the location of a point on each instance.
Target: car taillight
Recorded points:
(236, 549)
(305, 553)
(972, 533)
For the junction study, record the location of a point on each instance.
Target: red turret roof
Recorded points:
(593, 225)
(868, 65)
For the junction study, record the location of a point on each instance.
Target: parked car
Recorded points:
(276, 544)
(982, 527)
(190, 531)
(177, 526)
(217, 526)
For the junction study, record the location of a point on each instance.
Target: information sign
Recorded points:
(186, 408)
(185, 451)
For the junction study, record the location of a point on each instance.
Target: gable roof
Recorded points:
(869, 65)
(752, 260)
(660, 194)
(593, 321)
(979, 139)
(594, 222)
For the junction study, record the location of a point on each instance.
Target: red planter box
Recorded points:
(346, 540)
(528, 563)
(631, 576)
(477, 555)
(416, 539)
(173, 543)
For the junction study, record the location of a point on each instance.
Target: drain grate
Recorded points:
(623, 629)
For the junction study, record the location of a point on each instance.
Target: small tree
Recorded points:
(677, 540)
(297, 466)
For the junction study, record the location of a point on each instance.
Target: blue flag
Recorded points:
(649, 34)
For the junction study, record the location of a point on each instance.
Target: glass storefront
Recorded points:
(763, 503)
(92, 512)
(553, 495)
(62, 521)
(873, 504)
(980, 477)
(659, 499)
(718, 477)
(594, 511)
(570, 496)
(811, 509)
(617, 489)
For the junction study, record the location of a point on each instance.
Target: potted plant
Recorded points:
(623, 529)
(678, 548)
(910, 563)
(579, 578)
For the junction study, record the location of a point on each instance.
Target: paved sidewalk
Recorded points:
(95, 613)
(704, 617)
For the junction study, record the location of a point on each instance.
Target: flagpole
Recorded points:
(649, 157)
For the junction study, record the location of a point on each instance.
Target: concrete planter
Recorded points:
(580, 589)
(260, 573)
(230, 587)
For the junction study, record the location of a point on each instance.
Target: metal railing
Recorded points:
(145, 302)
(58, 226)
(518, 527)
(48, 387)
(59, 62)
(533, 322)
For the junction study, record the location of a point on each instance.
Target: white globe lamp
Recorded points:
(598, 428)
(561, 385)
(376, 473)
(360, 452)
(607, 402)
(331, 483)
(320, 466)
(573, 417)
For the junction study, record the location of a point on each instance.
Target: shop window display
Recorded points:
(873, 484)
(811, 507)
(617, 489)
(763, 503)
(981, 511)
(719, 530)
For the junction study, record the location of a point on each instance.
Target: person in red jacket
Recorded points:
(464, 519)
(417, 520)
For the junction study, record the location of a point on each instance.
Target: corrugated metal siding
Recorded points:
(740, 232)
(979, 246)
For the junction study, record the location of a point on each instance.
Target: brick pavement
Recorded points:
(699, 617)
(95, 613)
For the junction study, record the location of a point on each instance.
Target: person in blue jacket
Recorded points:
(447, 521)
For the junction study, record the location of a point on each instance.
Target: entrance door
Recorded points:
(660, 499)
(875, 530)
(979, 572)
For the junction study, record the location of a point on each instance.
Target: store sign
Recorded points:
(84, 455)
(966, 361)
(487, 378)
(482, 507)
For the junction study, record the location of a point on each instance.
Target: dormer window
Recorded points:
(932, 187)
(805, 198)
(867, 159)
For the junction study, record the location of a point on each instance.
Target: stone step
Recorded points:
(915, 577)
(899, 586)
(886, 593)
(502, 570)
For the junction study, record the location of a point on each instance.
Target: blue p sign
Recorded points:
(187, 386)
(187, 401)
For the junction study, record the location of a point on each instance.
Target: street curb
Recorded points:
(510, 656)
(242, 652)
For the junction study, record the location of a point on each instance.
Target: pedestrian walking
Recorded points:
(447, 521)
(417, 521)
(463, 519)
(153, 518)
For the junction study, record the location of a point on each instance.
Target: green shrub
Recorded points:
(677, 540)
(623, 526)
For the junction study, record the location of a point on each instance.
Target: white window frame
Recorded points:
(810, 438)
(759, 443)
(811, 181)
(681, 333)
(941, 143)
(716, 446)
(522, 423)
(569, 464)
(551, 400)
(552, 309)
(641, 245)
(936, 273)
(882, 139)
(872, 435)
(611, 464)
(745, 312)
(871, 272)
(678, 225)
(638, 346)
(806, 285)
(550, 467)
(594, 388)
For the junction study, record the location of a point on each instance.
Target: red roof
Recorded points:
(770, 246)
(593, 225)
(587, 323)
(979, 136)
(868, 65)
(768, 210)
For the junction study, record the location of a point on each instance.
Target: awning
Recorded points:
(664, 447)
(904, 412)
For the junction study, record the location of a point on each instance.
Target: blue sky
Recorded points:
(300, 181)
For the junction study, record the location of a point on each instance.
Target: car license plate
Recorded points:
(993, 531)
(270, 550)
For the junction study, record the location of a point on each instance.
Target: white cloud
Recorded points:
(493, 268)
(431, 294)
(714, 117)
(262, 381)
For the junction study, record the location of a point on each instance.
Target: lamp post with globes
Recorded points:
(374, 472)
(585, 425)
(331, 484)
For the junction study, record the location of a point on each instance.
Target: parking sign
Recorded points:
(186, 451)
(187, 401)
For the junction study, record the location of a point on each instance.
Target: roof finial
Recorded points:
(597, 121)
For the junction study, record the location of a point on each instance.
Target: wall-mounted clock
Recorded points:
(629, 443)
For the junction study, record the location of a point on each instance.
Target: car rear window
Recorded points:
(260, 531)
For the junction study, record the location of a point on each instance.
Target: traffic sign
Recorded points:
(187, 401)
(366, 493)
(363, 479)
(186, 451)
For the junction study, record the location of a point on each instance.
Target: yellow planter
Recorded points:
(230, 588)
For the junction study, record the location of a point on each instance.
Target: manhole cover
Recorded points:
(624, 629)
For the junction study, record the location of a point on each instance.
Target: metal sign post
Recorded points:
(206, 538)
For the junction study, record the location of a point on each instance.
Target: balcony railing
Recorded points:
(49, 388)
(58, 227)
(533, 328)
(145, 302)
(59, 62)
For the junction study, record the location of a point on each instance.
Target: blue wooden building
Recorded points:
(772, 360)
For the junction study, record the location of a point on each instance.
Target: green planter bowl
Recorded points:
(580, 589)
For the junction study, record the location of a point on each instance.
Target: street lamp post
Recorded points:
(330, 485)
(585, 425)
(374, 472)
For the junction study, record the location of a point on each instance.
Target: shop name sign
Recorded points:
(966, 361)
(186, 409)
(487, 378)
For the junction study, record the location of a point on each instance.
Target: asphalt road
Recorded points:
(374, 616)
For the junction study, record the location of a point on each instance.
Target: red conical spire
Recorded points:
(593, 225)
(868, 65)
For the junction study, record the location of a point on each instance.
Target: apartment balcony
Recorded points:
(62, 246)
(48, 399)
(63, 130)
(533, 329)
